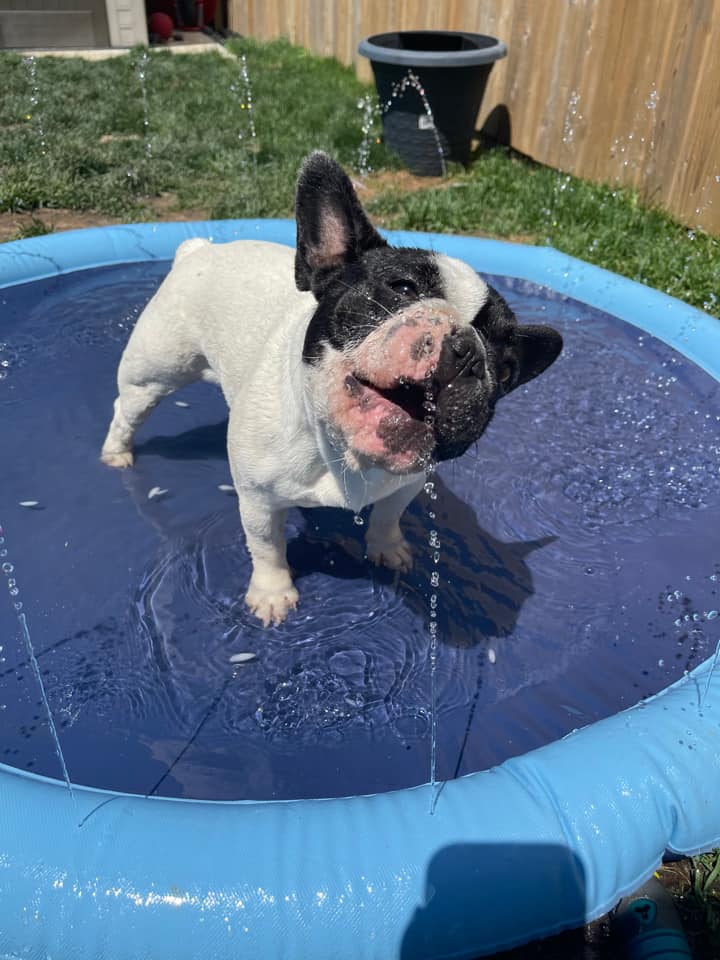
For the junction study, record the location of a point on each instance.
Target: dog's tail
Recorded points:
(187, 246)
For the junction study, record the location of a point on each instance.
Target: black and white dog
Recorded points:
(345, 377)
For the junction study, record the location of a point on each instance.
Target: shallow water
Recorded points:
(579, 548)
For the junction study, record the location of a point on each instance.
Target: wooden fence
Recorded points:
(621, 91)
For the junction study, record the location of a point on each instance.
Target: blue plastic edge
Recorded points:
(539, 844)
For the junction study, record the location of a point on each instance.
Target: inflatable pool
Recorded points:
(279, 808)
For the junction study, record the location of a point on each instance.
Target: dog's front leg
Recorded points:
(386, 545)
(271, 594)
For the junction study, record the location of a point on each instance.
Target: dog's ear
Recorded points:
(537, 347)
(332, 227)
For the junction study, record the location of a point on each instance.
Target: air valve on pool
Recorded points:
(647, 924)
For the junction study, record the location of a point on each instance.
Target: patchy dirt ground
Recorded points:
(16, 225)
(401, 181)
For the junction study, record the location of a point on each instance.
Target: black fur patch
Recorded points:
(520, 352)
(463, 413)
(495, 320)
(358, 296)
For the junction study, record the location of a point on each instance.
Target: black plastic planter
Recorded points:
(453, 68)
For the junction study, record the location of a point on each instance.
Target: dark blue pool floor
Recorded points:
(579, 570)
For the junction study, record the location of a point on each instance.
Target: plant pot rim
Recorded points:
(371, 48)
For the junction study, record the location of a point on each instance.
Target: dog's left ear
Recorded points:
(537, 346)
(332, 227)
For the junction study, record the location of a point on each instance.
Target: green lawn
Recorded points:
(84, 145)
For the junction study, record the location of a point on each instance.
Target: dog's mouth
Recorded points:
(392, 424)
(415, 399)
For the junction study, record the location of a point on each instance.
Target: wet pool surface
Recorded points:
(579, 570)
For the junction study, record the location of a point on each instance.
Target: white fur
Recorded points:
(463, 288)
(231, 314)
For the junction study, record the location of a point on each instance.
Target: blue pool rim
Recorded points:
(543, 842)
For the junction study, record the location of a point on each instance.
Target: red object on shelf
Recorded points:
(161, 25)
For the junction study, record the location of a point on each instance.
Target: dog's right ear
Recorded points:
(332, 227)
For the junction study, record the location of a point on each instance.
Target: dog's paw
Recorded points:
(121, 460)
(395, 554)
(271, 606)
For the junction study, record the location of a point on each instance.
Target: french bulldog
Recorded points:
(346, 377)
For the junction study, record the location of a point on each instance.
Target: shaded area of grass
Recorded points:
(695, 886)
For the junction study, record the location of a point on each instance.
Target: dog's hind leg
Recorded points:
(160, 358)
(133, 405)
(142, 383)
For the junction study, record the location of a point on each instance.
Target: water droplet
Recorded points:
(243, 657)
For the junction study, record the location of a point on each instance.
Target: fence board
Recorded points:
(623, 91)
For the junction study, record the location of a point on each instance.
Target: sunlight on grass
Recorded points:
(83, 146)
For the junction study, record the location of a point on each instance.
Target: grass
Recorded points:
(74, 136)
(84, 144)
(505, 195)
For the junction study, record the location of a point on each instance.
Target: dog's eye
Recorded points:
(406, 288)
(505, 372)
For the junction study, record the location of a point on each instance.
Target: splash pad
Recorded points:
(566, 821)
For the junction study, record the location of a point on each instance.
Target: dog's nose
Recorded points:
(462, 354)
